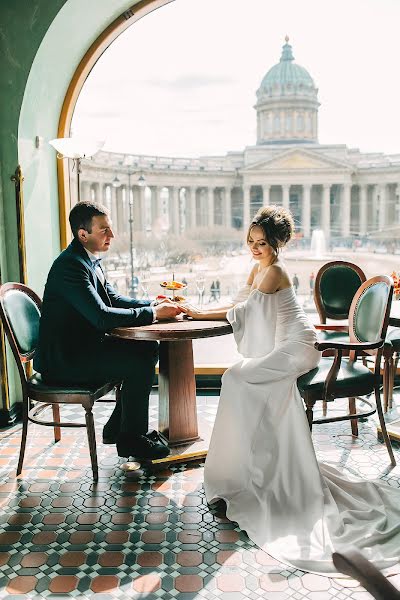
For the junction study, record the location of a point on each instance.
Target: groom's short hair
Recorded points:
(82, 213)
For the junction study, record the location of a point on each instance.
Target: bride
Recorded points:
(261, 461)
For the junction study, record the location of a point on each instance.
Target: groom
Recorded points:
(79, 308)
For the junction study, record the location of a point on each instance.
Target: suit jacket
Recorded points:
(78, 311)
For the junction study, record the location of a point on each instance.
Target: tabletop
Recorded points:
(181, 328)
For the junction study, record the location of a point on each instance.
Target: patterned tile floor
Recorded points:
(146, 536)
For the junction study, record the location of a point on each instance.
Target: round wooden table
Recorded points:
(177, 385)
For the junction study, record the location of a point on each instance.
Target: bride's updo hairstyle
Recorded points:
(276, 223)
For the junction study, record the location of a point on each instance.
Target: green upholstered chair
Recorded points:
(20, 314)
(342, 376)
(335, 285)
(352, 563)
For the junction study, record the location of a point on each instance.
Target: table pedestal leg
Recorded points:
(177, 393)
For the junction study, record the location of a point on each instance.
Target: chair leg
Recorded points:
(309, 412)
(386, 380)
(56, 419)
(383, 426)
(24, 433)
(92, 441)
(353, 411)
(393, 369)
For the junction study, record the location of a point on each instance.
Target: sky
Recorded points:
(182, 81)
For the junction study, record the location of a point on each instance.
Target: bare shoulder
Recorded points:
(276, 278)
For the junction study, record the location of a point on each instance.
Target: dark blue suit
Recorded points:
(78, 311)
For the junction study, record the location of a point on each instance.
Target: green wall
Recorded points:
(41, 45)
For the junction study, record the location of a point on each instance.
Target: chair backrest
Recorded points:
(335, 285)
(20, 314)
(370, 309)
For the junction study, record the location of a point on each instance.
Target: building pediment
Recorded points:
(299, 159)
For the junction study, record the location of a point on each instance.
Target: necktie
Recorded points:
(96, 263)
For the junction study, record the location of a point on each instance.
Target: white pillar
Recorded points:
(383, 190)
(363, 209)
(227, 207)
(246, 207)
(174, 225)
(114, 213)
(210, 206)
(137, 211)
(191, 191)
(286, 196)
(97, 195)
(345, 210)
(326, 210)
(266, 190)
(142, 208)
(306, 212)
(85, 191)
(121, 223)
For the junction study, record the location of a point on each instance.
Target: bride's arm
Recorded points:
(215, 314)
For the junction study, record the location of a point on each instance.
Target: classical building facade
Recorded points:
(337, 189)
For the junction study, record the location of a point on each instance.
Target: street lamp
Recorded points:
(76, 149)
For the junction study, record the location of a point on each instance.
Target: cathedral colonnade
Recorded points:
(339, 209)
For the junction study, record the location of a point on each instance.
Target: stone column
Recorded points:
(383, 190)
(210, 206)
(227, 207)
(85, 190)
(363, 209)
(246, 207)
(286, 196)
(306, 212)
(345, 210)
(114, 214)
(326, 210)
(173, 206)
(158, 202)
(121, 223)
(96, 192)
(266, 190)
(191, 206)
(137, 208)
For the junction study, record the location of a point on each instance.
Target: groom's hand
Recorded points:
(167, 311)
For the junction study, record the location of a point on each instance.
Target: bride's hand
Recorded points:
(191, 311)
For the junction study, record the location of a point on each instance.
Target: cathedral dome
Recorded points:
(287, 103)
(286, 76)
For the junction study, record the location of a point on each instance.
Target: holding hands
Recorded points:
(166, 309)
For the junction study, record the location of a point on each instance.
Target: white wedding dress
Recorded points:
(261, 459)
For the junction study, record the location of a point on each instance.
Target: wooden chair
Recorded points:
(345, 377)
(20, 314)
(353, 563)
(335, 286)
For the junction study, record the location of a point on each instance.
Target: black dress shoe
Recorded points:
(156, 436)
(141, 447)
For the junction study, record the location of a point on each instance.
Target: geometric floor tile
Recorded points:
(152, 536)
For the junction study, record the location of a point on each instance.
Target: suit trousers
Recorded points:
(129, 361)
